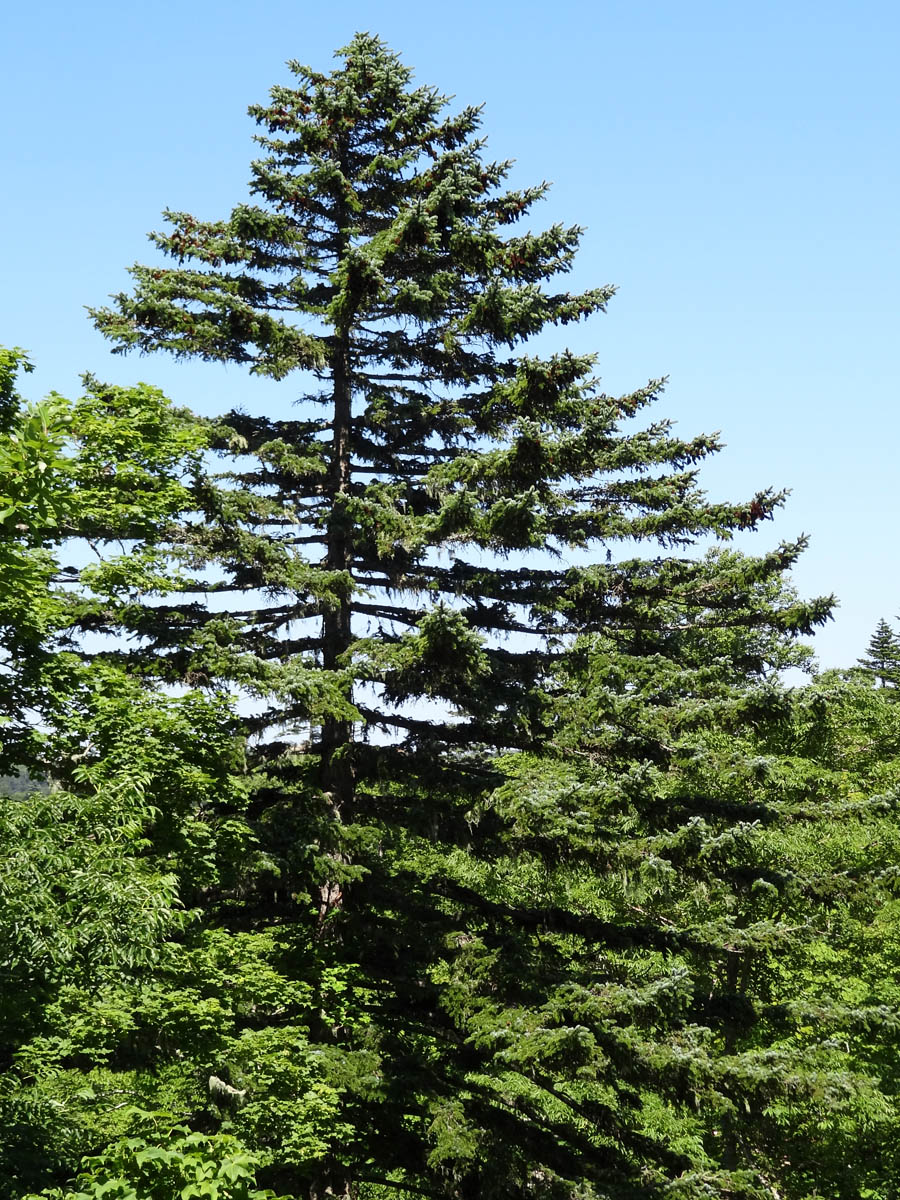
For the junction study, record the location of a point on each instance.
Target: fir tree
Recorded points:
(444, 1008)
(882, 662)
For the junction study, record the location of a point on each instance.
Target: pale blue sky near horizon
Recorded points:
(735, 167)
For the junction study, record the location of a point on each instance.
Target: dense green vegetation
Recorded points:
(418, 808)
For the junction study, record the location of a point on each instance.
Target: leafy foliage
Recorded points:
(129, 804)
(519, 873)
(189, 1165)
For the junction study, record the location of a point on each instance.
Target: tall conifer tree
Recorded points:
(395, 587)
(882, 659)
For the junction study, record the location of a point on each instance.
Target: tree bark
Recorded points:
(337, 733)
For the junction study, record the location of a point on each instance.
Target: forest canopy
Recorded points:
(407, 796)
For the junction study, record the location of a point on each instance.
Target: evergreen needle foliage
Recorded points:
(882, 660)
(503, 910)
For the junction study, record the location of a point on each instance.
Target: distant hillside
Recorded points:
(15, 785)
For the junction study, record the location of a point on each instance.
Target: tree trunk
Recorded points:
(337, 734)
(332, 1187)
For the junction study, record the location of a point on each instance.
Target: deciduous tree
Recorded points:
(127, 802)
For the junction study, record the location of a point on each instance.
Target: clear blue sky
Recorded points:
(736, 166)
